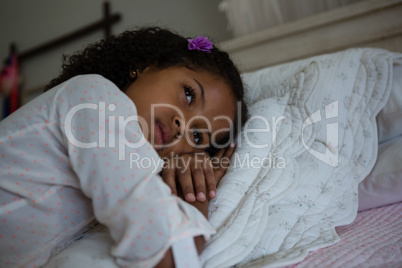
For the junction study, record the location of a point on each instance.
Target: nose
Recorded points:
(179, 134)
(178, 126)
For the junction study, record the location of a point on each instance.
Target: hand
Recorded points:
(221, 162)
(195, 172)
(191, 172)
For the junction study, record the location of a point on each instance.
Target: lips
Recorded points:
(162, 134)
(158, 137)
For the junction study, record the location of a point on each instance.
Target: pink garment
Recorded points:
(51, 187)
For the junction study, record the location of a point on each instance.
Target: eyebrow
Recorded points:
(202, 92)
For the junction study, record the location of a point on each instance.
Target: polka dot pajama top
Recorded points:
(74, 154)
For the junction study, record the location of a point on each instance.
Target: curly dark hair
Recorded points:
(115, 57)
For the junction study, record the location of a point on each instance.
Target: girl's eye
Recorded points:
(197, 137)
(190, 95)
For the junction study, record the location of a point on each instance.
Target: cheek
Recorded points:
(222, 129)
(223, 124)
(181, 147)
(172, 150)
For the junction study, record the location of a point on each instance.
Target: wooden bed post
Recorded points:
(106, 15)
(104, 24)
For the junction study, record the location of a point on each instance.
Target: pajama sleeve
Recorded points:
(118, 169)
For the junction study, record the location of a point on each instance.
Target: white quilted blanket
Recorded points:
(318, 140)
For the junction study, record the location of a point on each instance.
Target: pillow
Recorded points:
(389, 120)
(275, 216)
(383, 186)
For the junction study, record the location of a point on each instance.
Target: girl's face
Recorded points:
(183, 111)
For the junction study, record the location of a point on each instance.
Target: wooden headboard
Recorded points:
(371, 23)
(104, 24)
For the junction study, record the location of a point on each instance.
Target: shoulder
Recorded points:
(93, 88)
(84, 84)
(88, 83)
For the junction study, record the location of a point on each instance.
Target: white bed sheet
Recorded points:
(374, 239)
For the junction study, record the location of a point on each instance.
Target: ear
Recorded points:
(133, 74)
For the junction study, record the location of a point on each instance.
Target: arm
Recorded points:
(169, 176)
(199, 241)
(142, 216)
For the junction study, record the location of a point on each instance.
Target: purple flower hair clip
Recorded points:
(200, 43)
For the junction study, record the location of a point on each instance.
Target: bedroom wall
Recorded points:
(29, 23)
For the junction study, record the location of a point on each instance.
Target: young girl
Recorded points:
(93, 146)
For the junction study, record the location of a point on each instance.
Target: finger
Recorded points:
(210, 178)
(218, 174)
(220, 153)
(225, 152)
(225, 160)
(217, 158)
(197, 173)
(224, 163)
(168, 176)
(230, 150)
(183, 173)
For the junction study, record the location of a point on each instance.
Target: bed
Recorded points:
(326, 186)
(270, 215)
(372, 240)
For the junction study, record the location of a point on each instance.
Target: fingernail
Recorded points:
(201, 196)
(190, 197)
(212, 194)
(232, 144)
